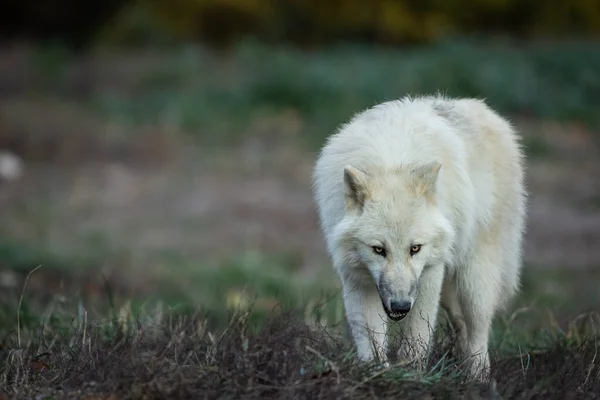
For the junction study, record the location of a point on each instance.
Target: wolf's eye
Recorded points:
(379, 250)
(415, 248)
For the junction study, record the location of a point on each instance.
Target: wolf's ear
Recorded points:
(356, 190)
(425, 179)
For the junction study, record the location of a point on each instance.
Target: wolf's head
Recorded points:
(393, 227)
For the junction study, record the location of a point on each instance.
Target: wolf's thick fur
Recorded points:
(422, 202)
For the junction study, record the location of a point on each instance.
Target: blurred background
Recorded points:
(161, 151)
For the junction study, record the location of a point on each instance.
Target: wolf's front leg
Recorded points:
(367, 320)
(420, 323)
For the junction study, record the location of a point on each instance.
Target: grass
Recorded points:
(251, 335)
(248, 280)
(162, 353)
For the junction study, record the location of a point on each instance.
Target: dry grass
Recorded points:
(180, 357)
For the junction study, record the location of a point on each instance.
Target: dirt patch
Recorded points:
(64, 135)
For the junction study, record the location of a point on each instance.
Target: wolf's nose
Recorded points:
(400, 306)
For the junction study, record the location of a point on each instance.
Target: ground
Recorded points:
(172, 221)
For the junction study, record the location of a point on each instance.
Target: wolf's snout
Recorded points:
(400, 306)
(397, 309)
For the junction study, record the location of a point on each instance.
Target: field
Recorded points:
(163, 242)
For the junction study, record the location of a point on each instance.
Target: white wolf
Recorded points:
(421, 202)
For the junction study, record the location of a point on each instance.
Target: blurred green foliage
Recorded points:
(313, 21)
(219, 98)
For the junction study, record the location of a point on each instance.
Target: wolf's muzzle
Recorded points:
(398, 309)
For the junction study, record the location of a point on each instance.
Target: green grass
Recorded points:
(181, 282)
(263, 283)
